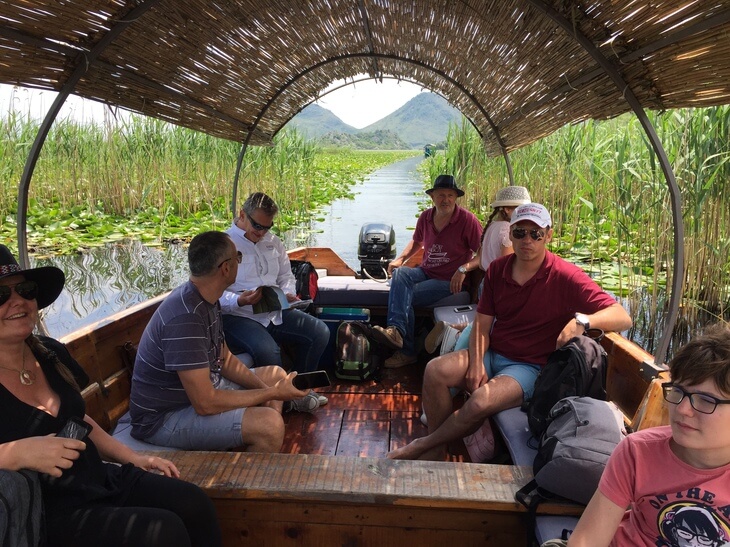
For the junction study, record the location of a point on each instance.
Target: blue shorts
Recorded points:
(524, 373)
(187, 430)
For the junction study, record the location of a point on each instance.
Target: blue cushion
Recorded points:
(123, 433)
(522, 446)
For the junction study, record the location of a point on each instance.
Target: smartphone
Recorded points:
(462, 308)
(309, 380)
(74, 429)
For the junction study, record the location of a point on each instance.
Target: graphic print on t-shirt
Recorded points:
(691, 524)
(436, 255)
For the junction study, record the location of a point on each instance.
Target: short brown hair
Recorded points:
(704, 357)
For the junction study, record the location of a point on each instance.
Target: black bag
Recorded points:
(353, 359)
(576, 369)
(581, 434)
(306, 277)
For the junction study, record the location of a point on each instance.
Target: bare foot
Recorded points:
(411, 451)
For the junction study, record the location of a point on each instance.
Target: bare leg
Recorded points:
(497, 394)
(270, 375)
(262, 429)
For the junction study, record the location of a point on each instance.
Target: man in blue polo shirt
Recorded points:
(184, 393)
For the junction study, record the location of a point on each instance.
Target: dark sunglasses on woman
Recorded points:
(25, 289)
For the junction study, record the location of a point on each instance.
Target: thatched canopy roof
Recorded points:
(230, 67)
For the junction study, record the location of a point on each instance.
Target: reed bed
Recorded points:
(610, 204)
(145, 179)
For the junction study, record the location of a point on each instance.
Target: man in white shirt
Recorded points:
(265, 262)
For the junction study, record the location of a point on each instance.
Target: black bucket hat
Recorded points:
(49, 278)
(445, 182)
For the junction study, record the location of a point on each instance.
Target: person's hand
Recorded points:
(286, 390)
(396, 263)
(249, 298)
(155, 463)
(571, 330)
(475, 378)
(51, 455)
(457, 281)
(292, 297)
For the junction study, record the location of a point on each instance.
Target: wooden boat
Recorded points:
(240, 69)
(332, 485)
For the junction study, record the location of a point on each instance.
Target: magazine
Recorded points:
(274, 299)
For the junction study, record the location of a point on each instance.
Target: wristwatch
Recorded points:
(462, 269)
(583, 321)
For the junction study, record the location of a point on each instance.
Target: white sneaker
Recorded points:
(448, 342)
(433, 339)
(322, 400)
(308, 403)
(424, 420)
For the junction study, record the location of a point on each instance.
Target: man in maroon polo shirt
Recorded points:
(532, 303)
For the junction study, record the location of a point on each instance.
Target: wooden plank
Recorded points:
(316, 433)
(364, 433)
(322, 258)
(653, 410)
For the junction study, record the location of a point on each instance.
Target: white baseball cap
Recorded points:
(534, 212)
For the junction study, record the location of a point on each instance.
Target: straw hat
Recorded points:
(49, 278)
(511, 196)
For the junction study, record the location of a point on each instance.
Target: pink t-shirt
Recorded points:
(667, 496)
(454, 245)
(495, 238)
(529, 318)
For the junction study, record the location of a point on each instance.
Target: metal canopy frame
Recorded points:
(86, 59)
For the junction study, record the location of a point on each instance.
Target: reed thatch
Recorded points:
(234, 67)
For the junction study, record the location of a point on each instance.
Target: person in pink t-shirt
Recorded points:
(670, 486)
(532, 303)
(449, 236)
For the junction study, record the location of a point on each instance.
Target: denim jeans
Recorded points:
(411, 287)
(306, 333)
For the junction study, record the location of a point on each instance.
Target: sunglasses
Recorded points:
(238, 258)
(259, 227)
(25, 289)
(519, 233)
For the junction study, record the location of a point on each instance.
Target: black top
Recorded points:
(89, 479)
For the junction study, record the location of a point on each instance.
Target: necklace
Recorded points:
(27, 377)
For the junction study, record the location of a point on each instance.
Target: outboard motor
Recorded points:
(376, 249)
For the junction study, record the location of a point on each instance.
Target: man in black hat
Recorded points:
(449, 236)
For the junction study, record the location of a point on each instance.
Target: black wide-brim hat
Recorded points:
(49, 278)
(445, 182)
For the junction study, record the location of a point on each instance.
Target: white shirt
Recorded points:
(496, 237)
(264, 263)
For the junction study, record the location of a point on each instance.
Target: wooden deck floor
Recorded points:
(364, 419)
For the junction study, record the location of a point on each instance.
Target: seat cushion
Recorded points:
(454, 315)
(522, 446)
(123, 433)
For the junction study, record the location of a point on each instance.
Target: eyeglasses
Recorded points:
(259, 227)
(519, 233)
(699, 401)
(25, 289)
(687, 535)
(238, 258)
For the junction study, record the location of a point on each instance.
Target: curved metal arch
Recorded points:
(83, 64)
(674, 193)
(346, 56)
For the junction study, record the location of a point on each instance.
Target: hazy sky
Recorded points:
(358, 104)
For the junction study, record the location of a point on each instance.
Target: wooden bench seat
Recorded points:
(284, 499)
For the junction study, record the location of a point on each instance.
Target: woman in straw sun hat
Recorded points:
(495, 243)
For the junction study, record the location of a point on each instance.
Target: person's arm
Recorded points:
(207, 400)
(51, 455)
(457, 280)
(112, 450)
(476, 375)
(598, 524)
(410, 249)
(613, 318)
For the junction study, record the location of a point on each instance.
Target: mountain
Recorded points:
(315, 121)
(422, 120)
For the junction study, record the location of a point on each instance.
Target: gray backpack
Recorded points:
(573, 451)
